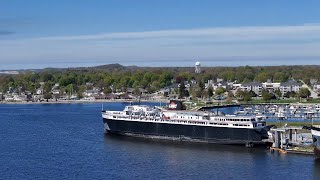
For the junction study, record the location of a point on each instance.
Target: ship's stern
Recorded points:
(315, 131)
(316, 143)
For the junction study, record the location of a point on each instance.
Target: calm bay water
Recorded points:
(67, 141)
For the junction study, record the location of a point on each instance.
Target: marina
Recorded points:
(292, 125)
(286, 111)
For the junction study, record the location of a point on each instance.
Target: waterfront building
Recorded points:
(91, 93)
(270, 86)
(313, 81)
(8, 98)
(289, 86)
(223, 84)
(252, 86)
(220, 79)
(236, 86)
(316, 88)
(55, 92)
(219, 83)
(19, 98)
(209, 84)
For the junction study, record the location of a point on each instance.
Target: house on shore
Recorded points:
(219, 83)
(289, 86)
(252, 86)
(270, 86)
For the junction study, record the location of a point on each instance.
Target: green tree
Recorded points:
(46, 76)
(278, 92)
(239, 94)
(107, 90)
(266, 96)
(262, 77)
(165, 78)
(137, 91)
(290, 94)
(304, 93)
(243, 95)
(247, 96)
(253, 94)
(81, 90)
(47, 87)
(201, 85)
(220, 90)
(230, 94)
(196, 92)
(155, 84)
(69, 88)
(182, 89)
(210, 92)
(47, 96)
(280, 77)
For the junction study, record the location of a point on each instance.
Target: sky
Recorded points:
(72, 33)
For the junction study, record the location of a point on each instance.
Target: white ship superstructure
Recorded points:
(196, 125)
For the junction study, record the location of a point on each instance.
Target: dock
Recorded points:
(291, 140)
(202, 108)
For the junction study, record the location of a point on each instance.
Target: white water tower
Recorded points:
(197, 68)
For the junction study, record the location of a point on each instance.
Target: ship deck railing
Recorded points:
(189, 121)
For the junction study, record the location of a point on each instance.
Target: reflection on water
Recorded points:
(316, 168)
(134, 141)
(176, 157)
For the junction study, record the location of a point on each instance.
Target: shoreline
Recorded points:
(143, 100)
(85, 102)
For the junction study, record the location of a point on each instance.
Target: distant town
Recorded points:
(199, 84)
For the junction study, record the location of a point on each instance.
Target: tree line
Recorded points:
(152, 78)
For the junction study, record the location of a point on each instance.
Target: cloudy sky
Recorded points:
(61, 33)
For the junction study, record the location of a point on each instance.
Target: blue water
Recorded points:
(67, 141)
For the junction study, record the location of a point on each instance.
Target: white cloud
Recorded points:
(208, 43)
(227, 33)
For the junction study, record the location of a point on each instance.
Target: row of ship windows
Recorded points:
(241, 125)
(182, 117)
(217, 119)
(222, 119)
(186, 122)
(195, 122)
(233, 124)
(223, 124)
(234, 119)
(219, 124)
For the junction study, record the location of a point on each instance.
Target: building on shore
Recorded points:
(289, 86)
(252, 86)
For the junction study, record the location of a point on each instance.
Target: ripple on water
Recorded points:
(64, 141)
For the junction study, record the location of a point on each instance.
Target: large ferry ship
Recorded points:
(184, 125)
(315, 131)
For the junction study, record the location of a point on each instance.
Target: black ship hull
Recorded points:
(317, 146)
(207, 134)
(316, 140)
